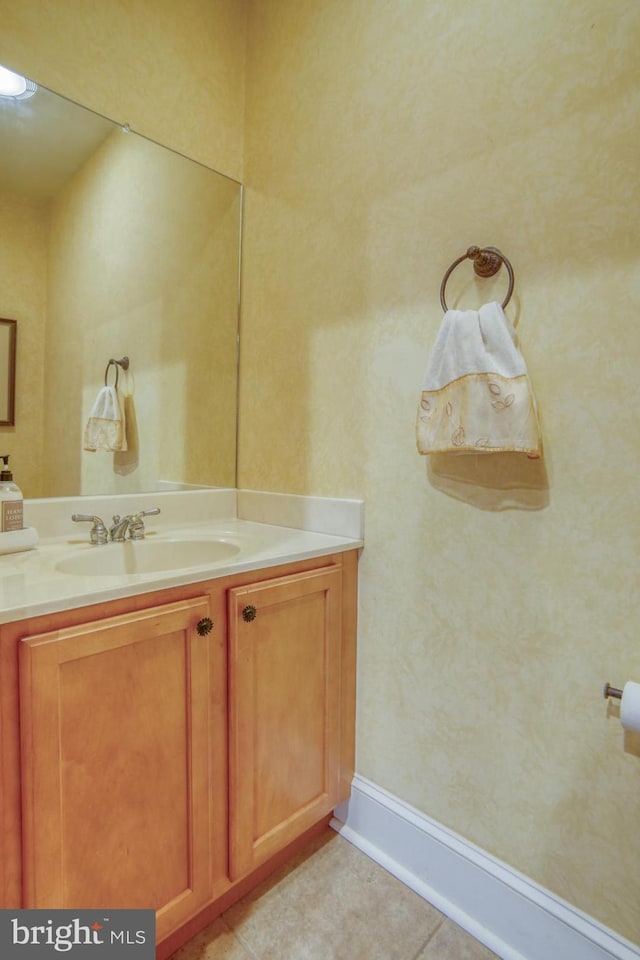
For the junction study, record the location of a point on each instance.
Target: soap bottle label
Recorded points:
(11, 515)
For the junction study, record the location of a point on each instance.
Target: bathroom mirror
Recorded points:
(112, 245)
(7, 371)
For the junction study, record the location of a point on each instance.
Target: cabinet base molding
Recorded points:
(212, 911)
(505, 910)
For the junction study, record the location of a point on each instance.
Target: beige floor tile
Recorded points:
(215, 942)
(449, 942)
(334, 905)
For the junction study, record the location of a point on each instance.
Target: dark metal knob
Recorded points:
(204, 626)
(249, 613)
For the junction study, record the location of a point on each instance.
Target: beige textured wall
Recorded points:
(172, 71)
(24, 226)
(382, 139)
(143, 263)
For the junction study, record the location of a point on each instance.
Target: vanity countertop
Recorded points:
(31, 583)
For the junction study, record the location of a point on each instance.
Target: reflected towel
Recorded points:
(476, 395)
(106, 428)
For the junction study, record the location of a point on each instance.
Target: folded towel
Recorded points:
(106, 428)
(476, 396)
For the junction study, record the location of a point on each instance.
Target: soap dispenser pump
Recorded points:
(10, 499)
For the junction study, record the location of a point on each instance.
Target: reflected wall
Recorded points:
(136, 254)
(23, 297)
(143, 262)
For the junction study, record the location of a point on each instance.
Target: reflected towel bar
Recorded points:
(124, 363)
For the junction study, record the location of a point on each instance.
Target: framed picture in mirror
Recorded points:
(7, 372)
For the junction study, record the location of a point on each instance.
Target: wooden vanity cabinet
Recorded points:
(284, 711)
(147, 762)
(116, 747)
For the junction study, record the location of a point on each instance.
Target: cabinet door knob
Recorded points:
(204, 626)
(249, 613)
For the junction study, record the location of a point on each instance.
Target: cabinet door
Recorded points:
(284, 657)
(116, 762)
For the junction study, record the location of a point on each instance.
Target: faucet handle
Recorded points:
(136, 524)
(98, 533)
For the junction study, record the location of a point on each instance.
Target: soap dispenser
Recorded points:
(10, 499)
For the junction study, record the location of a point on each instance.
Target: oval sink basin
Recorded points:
(146, 556)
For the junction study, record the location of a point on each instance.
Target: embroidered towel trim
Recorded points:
(105, 429)
(476, 395)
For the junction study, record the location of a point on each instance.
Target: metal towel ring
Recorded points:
(124, 363)
(486, 262)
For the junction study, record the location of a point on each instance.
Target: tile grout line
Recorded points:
(429, 938)
(245, 946)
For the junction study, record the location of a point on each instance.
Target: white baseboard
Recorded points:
(506, 911)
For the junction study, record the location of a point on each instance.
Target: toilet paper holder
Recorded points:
(610, 691)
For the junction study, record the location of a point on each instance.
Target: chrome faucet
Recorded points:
(117, 532)
(119, 527)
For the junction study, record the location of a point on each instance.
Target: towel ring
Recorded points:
(486, 262)
(124, 363)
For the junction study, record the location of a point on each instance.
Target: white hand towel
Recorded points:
(106, 428)
(476, 396)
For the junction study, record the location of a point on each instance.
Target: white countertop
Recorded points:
(31, 584)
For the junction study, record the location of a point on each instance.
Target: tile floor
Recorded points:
(332, 903)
